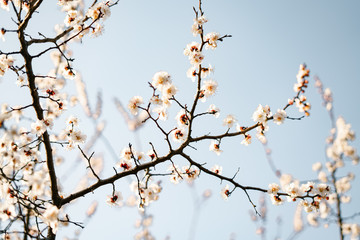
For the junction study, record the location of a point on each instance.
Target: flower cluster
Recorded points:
(339, 144)
(50, 217)
(302, 83)
(126, 159)
(338, 150)
(161, 81)
(8, 202)
(20, 158)
(353, 229)
(197, 27)
(302, 105)
(72, 18)
(75, 18)
(183, 121)
(99, 10)
(293, 191)
(6, 62)
(72, 134)
(147, 192)
(261, 114)
(326, 94)
(56, 101)
(143, 224)
(130, 156)
(187, 173)
(193, 51)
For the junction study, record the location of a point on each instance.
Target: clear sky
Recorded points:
(258, 65)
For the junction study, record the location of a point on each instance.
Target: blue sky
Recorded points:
(257, 65)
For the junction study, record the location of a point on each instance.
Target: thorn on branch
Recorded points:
(153, 149)
(225, 36)
(254, 206)
(235, 174)
(295, 118)
(42, 35)
(113, 186)
(89, 162)
(192, 147)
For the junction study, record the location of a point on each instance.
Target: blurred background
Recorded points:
(257, 65)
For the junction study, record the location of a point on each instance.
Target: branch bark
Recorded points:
(36, 102)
